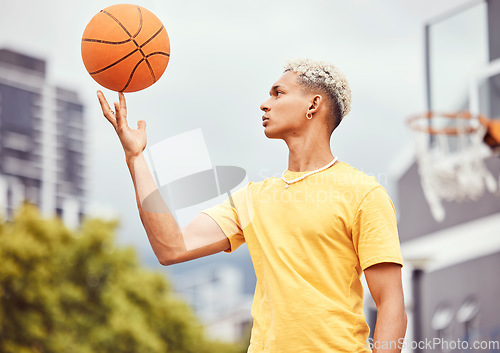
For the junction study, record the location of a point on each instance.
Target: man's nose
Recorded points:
(265, 106)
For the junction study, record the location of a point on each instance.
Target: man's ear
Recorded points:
(316, 102)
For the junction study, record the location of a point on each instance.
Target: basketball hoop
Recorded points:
(450, 152)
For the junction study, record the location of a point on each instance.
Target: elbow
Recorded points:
(164, 261)
(168, 259)
(168, 253)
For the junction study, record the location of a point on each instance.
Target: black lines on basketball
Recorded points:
(153, 36)
(140, 22)
(132, 74)
(151, 70)
(113, 64)
(158, 53)
(139, 48)
(149, 65)
(144, 58)
(105, 41)
(116, 20)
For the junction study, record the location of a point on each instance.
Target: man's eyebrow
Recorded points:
(274, 89)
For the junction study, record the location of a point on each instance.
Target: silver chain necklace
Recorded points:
(288, 183)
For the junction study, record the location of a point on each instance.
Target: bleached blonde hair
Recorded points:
(325, 77)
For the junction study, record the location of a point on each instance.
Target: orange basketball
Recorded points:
(125, 48)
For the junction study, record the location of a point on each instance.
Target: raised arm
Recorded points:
(170, 243)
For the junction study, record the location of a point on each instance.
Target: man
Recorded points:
(310, 234)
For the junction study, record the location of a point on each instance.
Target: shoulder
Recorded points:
(248, 191)
(349, 176)
(357, 187)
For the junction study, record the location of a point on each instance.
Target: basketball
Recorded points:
(125, 48)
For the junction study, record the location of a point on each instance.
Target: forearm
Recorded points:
(163, 232)
(390, 328)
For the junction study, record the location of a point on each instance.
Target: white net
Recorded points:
(451, 162)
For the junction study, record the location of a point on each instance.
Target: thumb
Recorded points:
(141, 124)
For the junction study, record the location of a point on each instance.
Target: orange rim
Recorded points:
(465, 115)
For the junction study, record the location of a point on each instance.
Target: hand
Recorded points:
(133, 141)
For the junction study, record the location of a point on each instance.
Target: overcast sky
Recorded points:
(225, 55)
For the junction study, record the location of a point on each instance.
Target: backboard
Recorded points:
(462, 57)
(457, 46)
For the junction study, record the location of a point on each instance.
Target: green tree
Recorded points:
(76, 291)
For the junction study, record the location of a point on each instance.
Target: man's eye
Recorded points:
(278, 93)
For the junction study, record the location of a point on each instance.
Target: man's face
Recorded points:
(285, 111)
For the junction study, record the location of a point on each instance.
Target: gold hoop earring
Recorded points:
(309, 116)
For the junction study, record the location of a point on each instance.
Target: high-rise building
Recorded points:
(42, 134)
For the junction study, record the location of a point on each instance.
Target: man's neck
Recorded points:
(308, 153)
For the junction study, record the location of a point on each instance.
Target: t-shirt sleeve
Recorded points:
(227, 217)
(374, 230)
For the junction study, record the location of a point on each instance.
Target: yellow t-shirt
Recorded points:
(309, 244)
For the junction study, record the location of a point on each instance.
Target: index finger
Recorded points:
(106, 110)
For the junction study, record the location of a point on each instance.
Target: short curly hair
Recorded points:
(323, 76)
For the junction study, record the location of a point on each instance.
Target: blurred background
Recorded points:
(401, 57)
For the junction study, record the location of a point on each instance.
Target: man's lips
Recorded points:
(264, 120)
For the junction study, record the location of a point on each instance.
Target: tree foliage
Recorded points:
(76, 291)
